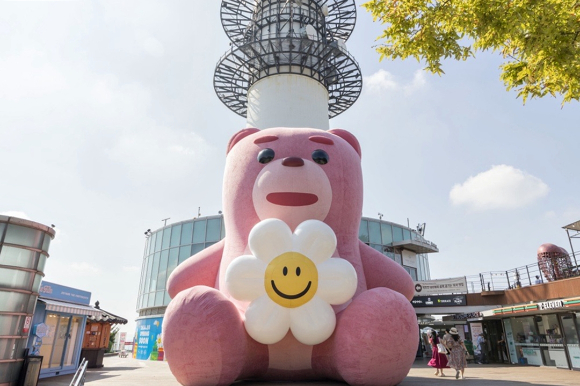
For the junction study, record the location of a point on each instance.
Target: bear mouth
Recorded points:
(292, 199)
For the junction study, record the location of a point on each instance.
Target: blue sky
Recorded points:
(110, 124)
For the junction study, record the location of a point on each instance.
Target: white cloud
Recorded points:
(501, 187)
(382, 81)
(84, 268)
(14, 213)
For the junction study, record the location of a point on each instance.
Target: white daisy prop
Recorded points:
(291, 281)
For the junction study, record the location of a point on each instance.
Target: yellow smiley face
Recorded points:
(291, 279)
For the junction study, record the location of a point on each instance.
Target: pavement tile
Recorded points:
(131, 372)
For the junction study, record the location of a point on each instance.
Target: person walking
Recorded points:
(457, 353)
(482, 349)
(438, 359)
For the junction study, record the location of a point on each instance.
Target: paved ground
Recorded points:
(130, 372)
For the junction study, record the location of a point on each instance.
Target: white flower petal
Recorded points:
(314, 239)
(313, 322)
(266, 322)
(269, 239)
(245, 278)
(337, 281)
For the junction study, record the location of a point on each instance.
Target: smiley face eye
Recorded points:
(285, 271)
(320, 157)
(298, 271)
(265, 156)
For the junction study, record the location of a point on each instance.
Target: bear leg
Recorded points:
(375, 341)
(205, 341)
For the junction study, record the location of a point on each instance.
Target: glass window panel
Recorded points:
(166, 238)
(37, 281)
(398, 257)
(155, 271)
(2, 227)
(377, 247)
(195, 248)
(175, 235)
(173, 260)
(184, 253)
(152, 239)
(18, 257)
(406, 234)
(19, 235)
(151, 301)
(387, 233)
(13, 301)
(11, 278)
(186, 233)
(214, 227)
(158, 241)
(413, 273)
(162, 276)
(363, 231)
(159, 298)
(75, 332)
(46, 243)
(374, 232)
(223, 227)
(397, 234)
(167, 299)
(10, 325)
(199, 231)
(148, 274)
(209, 244)
(41, 262)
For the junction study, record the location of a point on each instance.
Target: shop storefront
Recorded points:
(543, 333)
(58, 327)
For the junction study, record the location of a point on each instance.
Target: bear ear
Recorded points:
(348, 137)
(239, 136)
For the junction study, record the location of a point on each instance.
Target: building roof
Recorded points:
(575, 226)
(106, 317)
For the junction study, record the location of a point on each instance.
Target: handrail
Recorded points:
(79, 378)
(512, 278)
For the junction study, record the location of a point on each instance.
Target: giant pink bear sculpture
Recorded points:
(376, 334)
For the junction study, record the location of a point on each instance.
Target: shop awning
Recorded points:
(69, 308)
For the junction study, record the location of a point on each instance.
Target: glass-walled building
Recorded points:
(171, 245)
(23, 253)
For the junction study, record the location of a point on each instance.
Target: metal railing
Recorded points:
(79, 378)
(526, 275)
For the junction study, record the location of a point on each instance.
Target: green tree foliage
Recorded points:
(112, 336)
(539, 39)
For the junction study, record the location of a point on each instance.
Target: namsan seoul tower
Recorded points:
(288, 65)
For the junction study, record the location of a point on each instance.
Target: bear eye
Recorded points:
(266, 156)
(320, 157)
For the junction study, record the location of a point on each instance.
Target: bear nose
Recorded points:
(293, 162)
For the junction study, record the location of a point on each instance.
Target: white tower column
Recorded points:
(288, 100)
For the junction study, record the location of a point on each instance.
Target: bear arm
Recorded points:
(200, 269)
(381, 271)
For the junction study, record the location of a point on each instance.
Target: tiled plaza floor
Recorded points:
(130, 372)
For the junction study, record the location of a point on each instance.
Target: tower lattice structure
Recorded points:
(288, 37)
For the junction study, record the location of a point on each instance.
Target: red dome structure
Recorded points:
(554, 262)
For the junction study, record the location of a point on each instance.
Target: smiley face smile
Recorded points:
(282, 294)
(291, 280)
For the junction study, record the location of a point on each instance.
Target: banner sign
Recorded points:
(455, 285)
(66, 294)
(550, 305)
(439, 301)
(148, 344)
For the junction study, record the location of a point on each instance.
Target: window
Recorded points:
(199, 231)
(406, 234)
(19, 235)
(158, 241)
(374, 232)
(173, 260)
(175, 235)
(186, 233)
(166, 238)
(214, 227)
(155, 271)
(195, 248)
(184, 253)
(162, 276)
(363, 232)
(397, 234)
(387, 233)
(152, 239)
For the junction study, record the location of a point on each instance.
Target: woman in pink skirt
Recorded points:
(439, 361)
